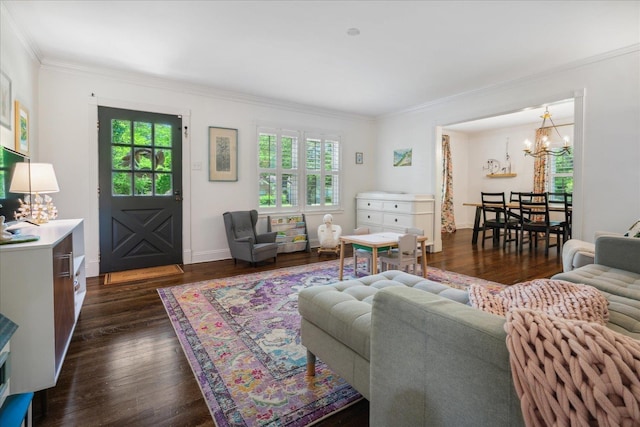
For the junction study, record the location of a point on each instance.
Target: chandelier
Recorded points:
(546, 149)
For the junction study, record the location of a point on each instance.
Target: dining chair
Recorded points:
(406, 255)
(566, 200)
(535, 220)
(496, 217)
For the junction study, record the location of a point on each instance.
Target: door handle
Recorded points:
(177, 195)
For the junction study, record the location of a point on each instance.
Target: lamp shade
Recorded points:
(34, 178)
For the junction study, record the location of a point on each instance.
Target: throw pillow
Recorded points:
(569, 372)
(555, 297)
(634, 230)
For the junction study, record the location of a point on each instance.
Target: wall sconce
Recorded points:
(34, 179)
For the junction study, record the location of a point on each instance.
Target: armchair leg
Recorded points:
(311, 364)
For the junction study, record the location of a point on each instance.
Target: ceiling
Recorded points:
(408, 53)
(561, 113)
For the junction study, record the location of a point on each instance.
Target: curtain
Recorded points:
(447, 221)
(540, 163)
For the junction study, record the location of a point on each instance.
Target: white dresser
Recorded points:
(383, 211)
(42, 288)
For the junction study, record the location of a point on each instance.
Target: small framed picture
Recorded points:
(5, 100)
(402, 157)
(223, 154)
(22, 128)
(359, 158)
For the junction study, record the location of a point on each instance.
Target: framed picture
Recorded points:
(402, 157)
(359, 158)
(22, 128)
(5, 100)
(223, 154)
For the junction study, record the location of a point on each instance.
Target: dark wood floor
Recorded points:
(125, 365)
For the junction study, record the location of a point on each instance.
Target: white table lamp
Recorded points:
(34, 179)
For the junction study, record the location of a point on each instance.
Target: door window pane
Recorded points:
(142, 158)
(142, 133)
(163, 160)
(163, 184)
(120, 157)
(143, 184)
(121, 184)
(121, 131)
(162, 135)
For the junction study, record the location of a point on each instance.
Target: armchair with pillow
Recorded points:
(244, 242)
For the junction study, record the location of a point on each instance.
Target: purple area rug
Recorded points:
(241, 336)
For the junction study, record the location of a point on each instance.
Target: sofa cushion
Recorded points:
(607, 279)
(622, 290)
(343, 309)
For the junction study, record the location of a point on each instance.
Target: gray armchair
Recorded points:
(244, 242)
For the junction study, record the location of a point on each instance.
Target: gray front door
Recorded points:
(140, 175)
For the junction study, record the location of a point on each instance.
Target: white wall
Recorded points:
(606, 159)
(21, 66)
(68, 140)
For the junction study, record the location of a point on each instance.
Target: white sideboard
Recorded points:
(383, 211)
(42, 288)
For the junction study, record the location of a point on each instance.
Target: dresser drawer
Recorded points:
(401, 207)
(398, 220)
(375, 205)
(369, 217)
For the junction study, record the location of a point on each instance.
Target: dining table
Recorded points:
(375, 241)
(553, 207)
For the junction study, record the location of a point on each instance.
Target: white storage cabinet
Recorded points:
(42, 288)
(383, 211)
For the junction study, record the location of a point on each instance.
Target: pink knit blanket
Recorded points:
(554, 297)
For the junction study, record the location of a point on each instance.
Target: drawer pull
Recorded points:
(368, 204)
(368, 216)
(396, 219)
(396, 206)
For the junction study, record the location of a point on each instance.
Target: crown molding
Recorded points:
(517, 81)
(147, 80)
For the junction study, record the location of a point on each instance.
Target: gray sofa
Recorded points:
(423, 357)
(616, 273)
(414, 349)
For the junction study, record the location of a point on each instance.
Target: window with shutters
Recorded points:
(560, 174)
(297, 171)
